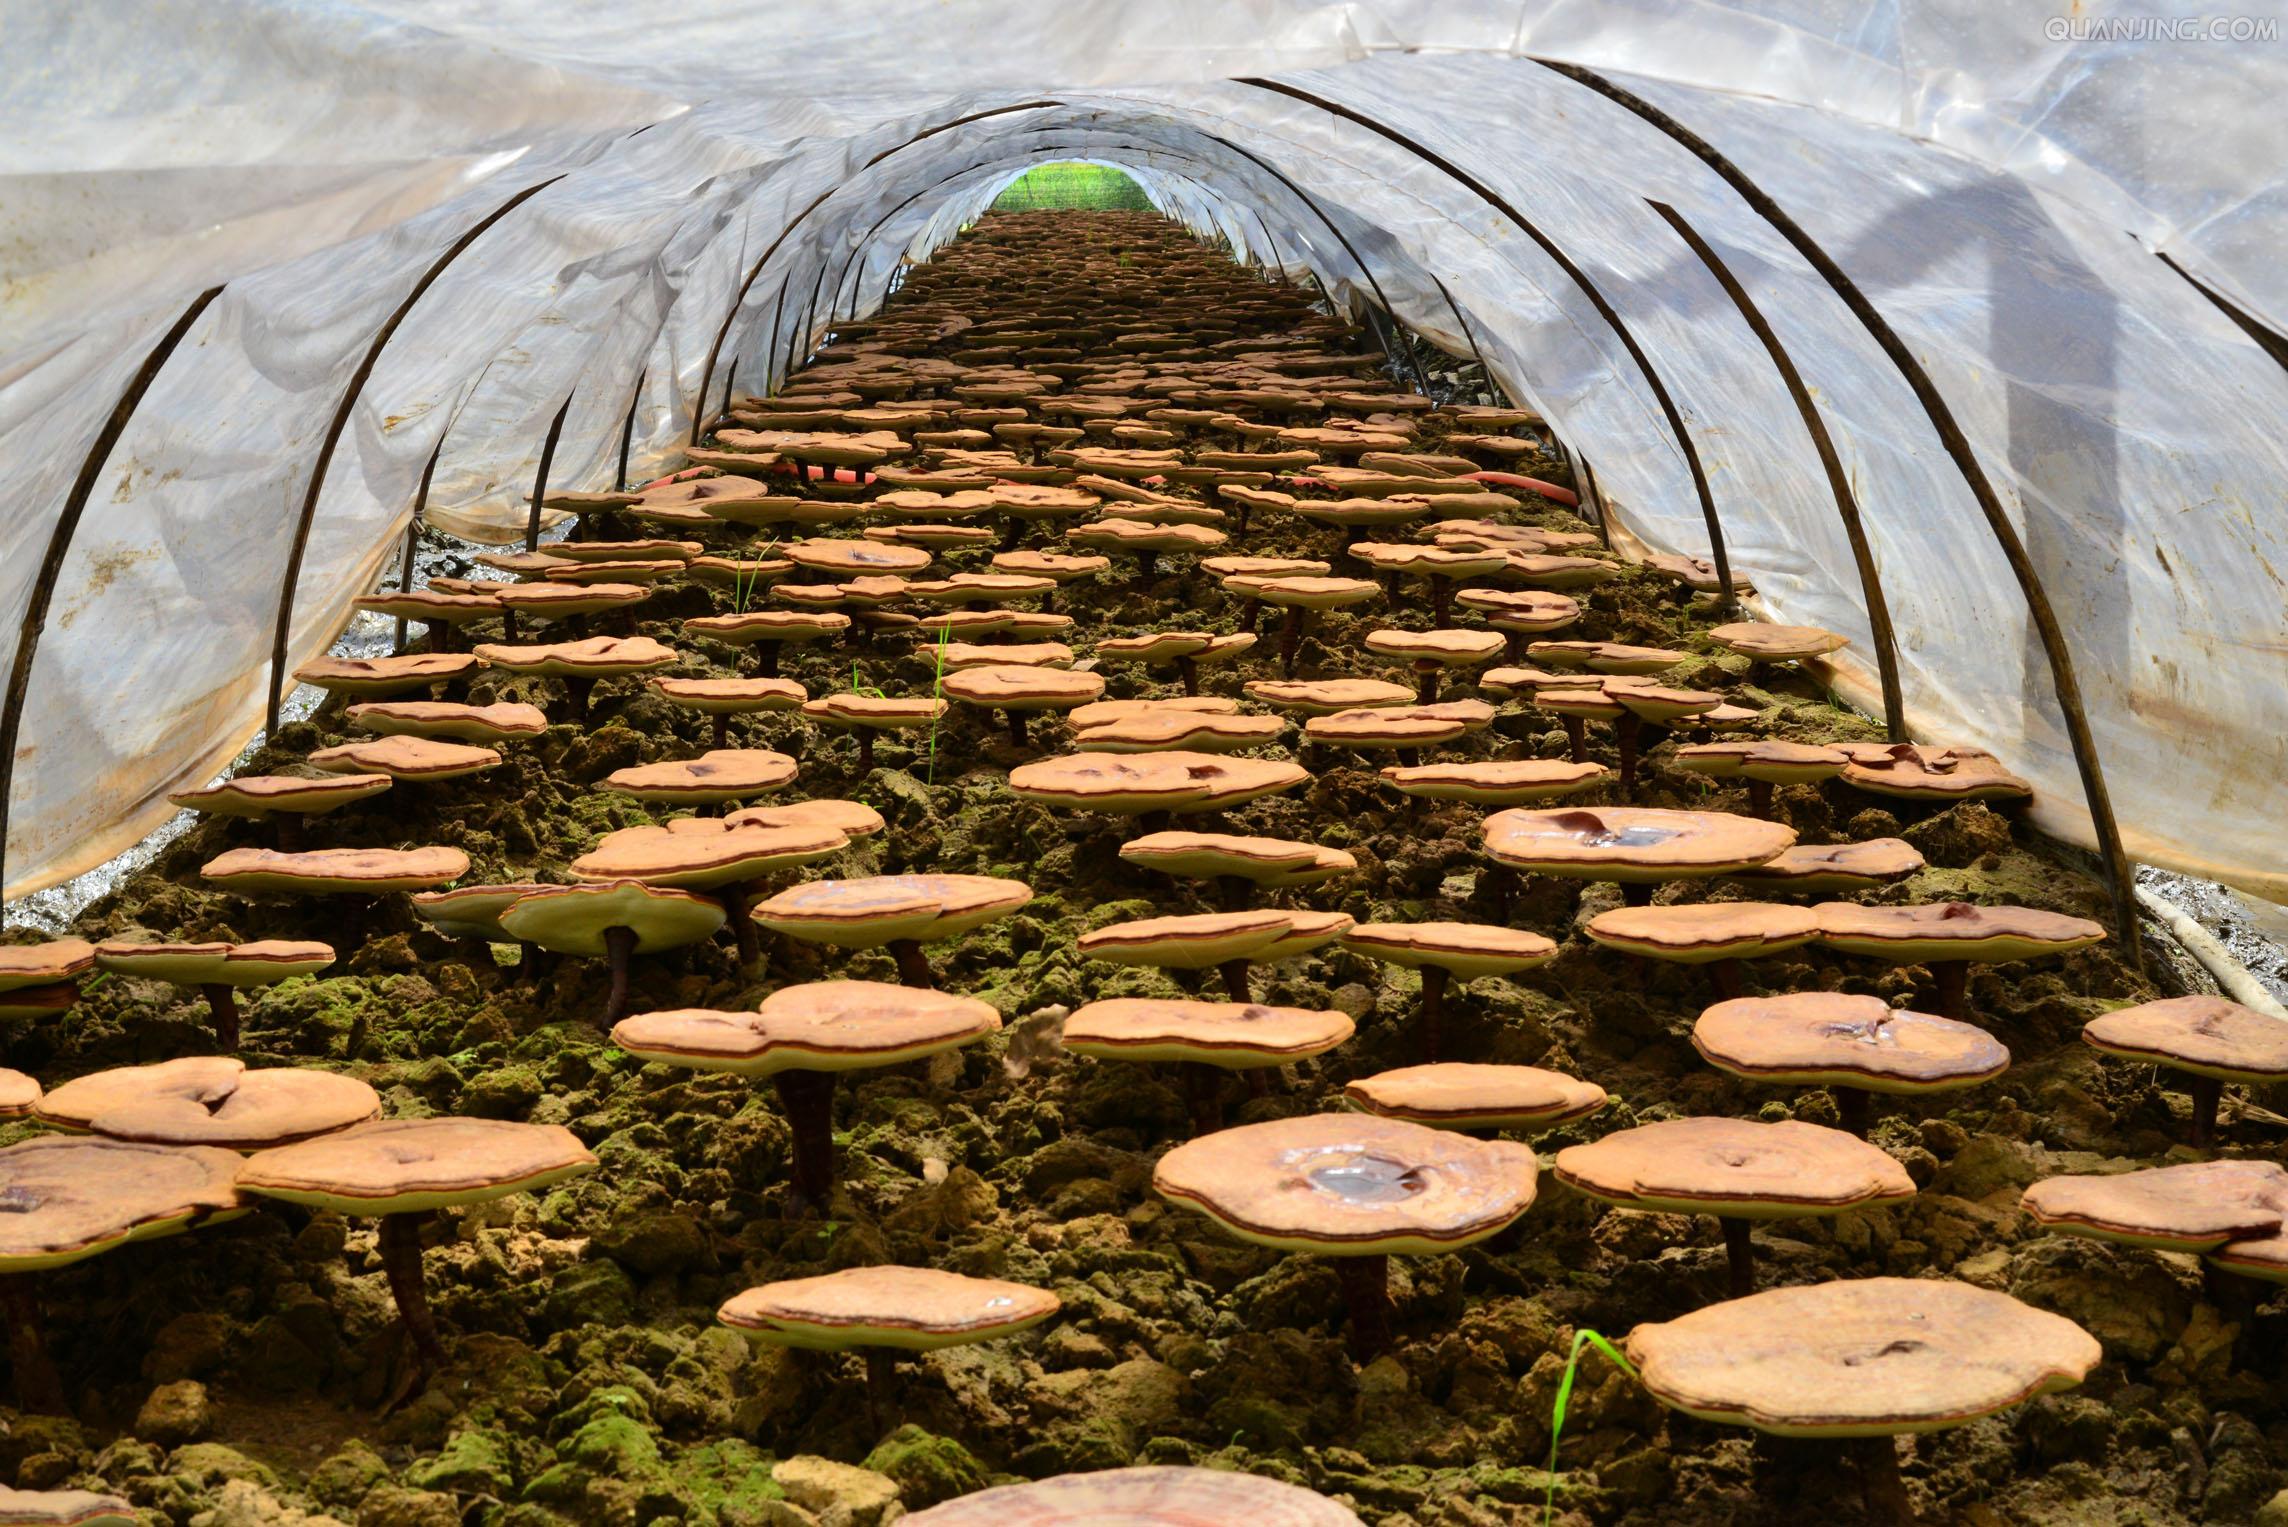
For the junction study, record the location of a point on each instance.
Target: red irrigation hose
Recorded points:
(1548, 490)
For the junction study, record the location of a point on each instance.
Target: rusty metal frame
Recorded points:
(2040, 613)
(60, 537)
(755, 271)
(540, 478)
(2270, 341)
(1830, 461)
(283, 629)
(628, 431)
(413, 528)
(1726, 600)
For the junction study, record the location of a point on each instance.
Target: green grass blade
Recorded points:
(1581, 1338)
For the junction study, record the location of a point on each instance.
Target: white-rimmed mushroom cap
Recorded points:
(403, 1166)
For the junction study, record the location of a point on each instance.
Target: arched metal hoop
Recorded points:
(59, 547)
(2039, 611)
(1580, 278)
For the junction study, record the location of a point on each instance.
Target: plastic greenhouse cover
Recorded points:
(1999, 192)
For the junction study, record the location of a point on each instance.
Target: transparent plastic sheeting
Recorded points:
(2000, 194)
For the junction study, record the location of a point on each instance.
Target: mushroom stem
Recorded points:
(734, 900)
(881, 1372)
(807, 1100)
(1724, 975)
(722, 729)
(2235, 1297)
(1153, 821)
(1434, 978)
(1188, 671)
(38, 1386)
(1760, 797)
(767, 659)
(2208, 1092)
(1952, 978)
(1203, 1090)
(1012, 533)
(1234, 890)
(1366, 1291)
(619, 947)
(1883, 1491)
(508, 625)
(1426, 683)
(1441, 600)
(528, 961)
(576, 692)
(865, 750)
(1625, 729)
(1854, 1109)
(1740, 1255)
(222, 1005)
(1249, 613)
(1515, 651)
(913, 965)
(1290, 641)
(1636, 893)
(1235, 982)
(1576, 734)
(400, 1245)
(288, 825)
(1017, 738)
(1147, 566)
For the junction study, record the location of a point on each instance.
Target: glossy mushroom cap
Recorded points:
(261, 795)
(1459, 1095)
(403, 756)
(1324, 697)
(917, 1309)
(721, 774)
(1141, 1497)
(1860, 1357)
(2208, 1036)
(1232, 1035)
(64, 1508)
(385, 675)
(593, 657)
(1772, 643)
(1498, 782)
(1159, 730)
(1951, 930)
(573, 919)
(1824, 869)
(1467, 950)
(399, 1166)
(703, 852)
(44, 964)
(853, 819)
(2196, 1207)
(1826, 1039)
(1632, 842)
(350, 870)
(1016, 686)
(1703, 931)
(1266, 861)
(211, 1100)
(1129, 784)
(70, 1197)
(447, 718)
(877, 909)
(1734, 1168)
(1350, 1184)
(815, 1026)
(1930, 773)
(1193, 942)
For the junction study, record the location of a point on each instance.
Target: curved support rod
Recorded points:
(283, 629)
(1726, 601)
(1381, 297)
(540, 478)
(2039, 611)
(59, 547)
(413, 531)
(755, 271)
(1838, 481)
(628, 431)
